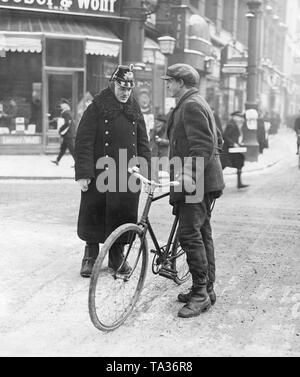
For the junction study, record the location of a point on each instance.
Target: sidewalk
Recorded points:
(281, 146)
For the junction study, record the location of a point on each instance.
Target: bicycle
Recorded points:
(112, 295)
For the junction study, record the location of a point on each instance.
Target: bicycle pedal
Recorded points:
(167, 273)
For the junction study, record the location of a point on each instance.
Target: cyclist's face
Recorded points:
(174, 87)
(121, 93)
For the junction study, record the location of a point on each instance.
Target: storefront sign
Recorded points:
(234, 69)
(20, 139)
(94, 7)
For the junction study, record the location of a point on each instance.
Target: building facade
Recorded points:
(53, 49)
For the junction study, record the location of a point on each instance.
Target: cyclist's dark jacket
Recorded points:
(193, 133)
(107, 126)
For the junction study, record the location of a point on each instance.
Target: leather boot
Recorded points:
(116, 258)
(91, 252)
(239, 180)
(199, 302)
(185, 297)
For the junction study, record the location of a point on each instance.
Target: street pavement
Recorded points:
(43, 302)
(41, 167)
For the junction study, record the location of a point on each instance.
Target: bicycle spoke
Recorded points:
(113, 294)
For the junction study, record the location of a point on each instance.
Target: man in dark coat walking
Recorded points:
(193, 136)
(66, 131)
(233, 138)
(297, 130)
(112, 129)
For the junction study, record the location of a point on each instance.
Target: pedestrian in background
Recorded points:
(160, 144)
(192, 133)
(66, 131)
(261, 132)
(219, 130)
(297, 130)
(232, 139)
(112, 122)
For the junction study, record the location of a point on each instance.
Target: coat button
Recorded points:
(106, 144)
(106, 133)
(106, 121)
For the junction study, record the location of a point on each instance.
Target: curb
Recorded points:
(3, 178)
(257, 169)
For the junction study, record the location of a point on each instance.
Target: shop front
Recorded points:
(233, 79)
(46, 56)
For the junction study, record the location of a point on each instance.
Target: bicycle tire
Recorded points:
(180, 264)
(109, 289)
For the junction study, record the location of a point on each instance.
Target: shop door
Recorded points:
(58, 86)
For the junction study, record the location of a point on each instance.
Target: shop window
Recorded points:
(64, 53)
(20, 98)
(99, 71)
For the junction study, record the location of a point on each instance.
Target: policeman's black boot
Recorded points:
(91, 252)
(239, 180)
(198, 303)
(116, 258)
(185, 297)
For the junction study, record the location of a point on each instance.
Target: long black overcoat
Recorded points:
(192, 133)
(231, 136)
(106, 127)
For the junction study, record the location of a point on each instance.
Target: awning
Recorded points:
(25, 34)
(152, 52)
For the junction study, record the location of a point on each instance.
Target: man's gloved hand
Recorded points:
(84, 184)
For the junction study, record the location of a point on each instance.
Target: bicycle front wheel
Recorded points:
(113, 295)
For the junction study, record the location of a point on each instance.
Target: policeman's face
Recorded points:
(122, 94)
(174, 87)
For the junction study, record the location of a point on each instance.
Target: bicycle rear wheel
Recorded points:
(112, 296)
(179, 263)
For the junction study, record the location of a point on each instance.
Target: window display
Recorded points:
(21, 99)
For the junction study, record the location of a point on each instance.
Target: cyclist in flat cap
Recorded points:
(192, 133)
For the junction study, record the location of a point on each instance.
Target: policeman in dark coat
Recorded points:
(193, 138)
(112, 129)
(66, 131)
(233, 138)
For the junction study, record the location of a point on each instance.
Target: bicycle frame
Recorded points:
(145, 223)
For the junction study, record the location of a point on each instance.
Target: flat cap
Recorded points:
(185, 72)
(64, 100)
(238, 114)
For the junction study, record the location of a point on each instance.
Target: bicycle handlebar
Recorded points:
(151, 183)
